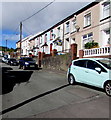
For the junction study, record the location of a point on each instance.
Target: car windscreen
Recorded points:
(106, 63)
(28, 59)
(12, 59)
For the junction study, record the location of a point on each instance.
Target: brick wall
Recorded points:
(60, 62)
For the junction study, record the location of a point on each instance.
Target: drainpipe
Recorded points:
(63, 39)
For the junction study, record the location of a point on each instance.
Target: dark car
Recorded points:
(26, 62)
(12, 61)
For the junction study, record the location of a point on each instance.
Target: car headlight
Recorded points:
(11, 62)
(26, 63)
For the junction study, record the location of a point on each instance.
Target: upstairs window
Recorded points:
(58, 31)
(105, 9)
(67, 27)
(41, 40)
(51, 35)
(45, 38)
(73, 25)
(87, 20)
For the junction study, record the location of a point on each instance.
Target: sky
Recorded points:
(12, 13)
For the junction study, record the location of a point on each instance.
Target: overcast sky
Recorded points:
(14, 12)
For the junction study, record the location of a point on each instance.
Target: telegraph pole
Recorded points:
(20, 38)
(6, 45)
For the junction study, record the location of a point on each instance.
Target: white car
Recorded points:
(91, 71)
(4, 59)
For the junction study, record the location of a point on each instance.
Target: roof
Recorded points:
(28, 37)
(33, 36)
(67, 18)
(72, 15)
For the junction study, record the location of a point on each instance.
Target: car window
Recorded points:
(28, 59)
(80, 63)
(92, 65)
(13, 59)
(106, 63)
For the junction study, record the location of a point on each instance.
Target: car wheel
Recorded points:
(107, 88)
(71, 79)
(36, 66)
(24, 67)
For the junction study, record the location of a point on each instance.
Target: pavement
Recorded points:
(82, 109)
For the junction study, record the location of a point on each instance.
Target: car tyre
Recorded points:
(71, 79)
(36, 66)
(107, 88)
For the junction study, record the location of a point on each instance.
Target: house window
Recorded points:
(106, 9)
(45, 38)
(41, 40)
(107, 36)
(73, 25)
(67, 27)
(67, 39)
(51, 35)
(87, 20)
(58, 31)
(87, 38)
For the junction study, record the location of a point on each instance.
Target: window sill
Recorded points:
(66, 33)
(105, 18)
(86, 26)
(73, 32)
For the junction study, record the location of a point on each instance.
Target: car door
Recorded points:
(93, 77)
(21, 62)
(78, 70)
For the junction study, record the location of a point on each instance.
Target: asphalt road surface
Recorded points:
(47, 94)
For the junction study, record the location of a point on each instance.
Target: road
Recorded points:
(46, 94)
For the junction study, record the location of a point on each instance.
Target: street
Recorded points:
(47, 94)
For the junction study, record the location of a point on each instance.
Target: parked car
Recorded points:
(27, 62)
(92, 71)
(12, 61)
(5, 59)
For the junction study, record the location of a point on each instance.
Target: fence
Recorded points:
(97, 51)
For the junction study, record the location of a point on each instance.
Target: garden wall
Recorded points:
(59, 62)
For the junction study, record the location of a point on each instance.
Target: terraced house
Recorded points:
(89, 28)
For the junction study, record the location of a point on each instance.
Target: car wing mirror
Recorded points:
(98, 70)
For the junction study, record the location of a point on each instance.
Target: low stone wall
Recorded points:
(59, 62)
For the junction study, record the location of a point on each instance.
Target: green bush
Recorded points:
(90, 45)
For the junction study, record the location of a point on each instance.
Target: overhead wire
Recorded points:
(26, 29)
(38, 11)
(10, 37)
(29, 18)
(13, 33)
